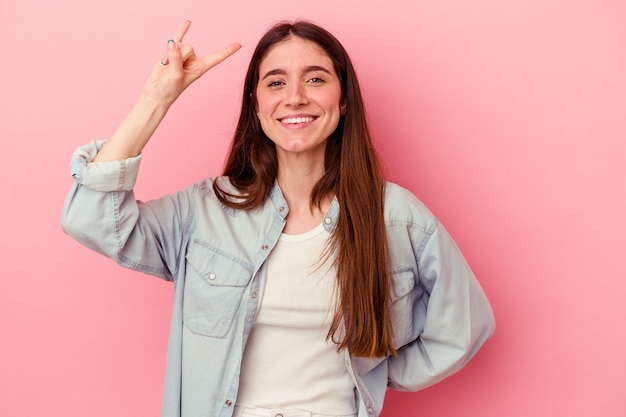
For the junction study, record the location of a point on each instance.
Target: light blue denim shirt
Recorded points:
(216, 255)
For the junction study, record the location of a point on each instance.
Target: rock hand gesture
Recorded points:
(177, 69)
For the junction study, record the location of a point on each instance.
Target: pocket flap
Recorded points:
(403, 283)
(217, 267)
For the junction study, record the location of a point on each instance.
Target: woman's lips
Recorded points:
(297, 121)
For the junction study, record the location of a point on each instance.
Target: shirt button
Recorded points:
(212, 276)
(264, 247)
(253, 295)
(369, 410)
(282, 208)
(229, 403)
(328, 220)
(278, 415)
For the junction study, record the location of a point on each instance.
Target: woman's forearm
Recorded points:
(134, 132)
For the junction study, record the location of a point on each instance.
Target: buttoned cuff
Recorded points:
(103, 176)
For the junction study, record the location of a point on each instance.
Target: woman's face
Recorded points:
(298, 97)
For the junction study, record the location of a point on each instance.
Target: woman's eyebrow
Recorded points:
(310, 68)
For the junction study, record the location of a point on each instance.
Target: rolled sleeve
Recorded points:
(103, 176)
(102, 213)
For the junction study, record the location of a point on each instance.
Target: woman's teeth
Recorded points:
(296, 120)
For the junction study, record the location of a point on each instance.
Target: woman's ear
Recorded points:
(343, 107)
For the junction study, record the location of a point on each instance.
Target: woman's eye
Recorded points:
(275, 84)
(316, 80)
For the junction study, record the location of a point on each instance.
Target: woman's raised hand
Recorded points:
(179, 67)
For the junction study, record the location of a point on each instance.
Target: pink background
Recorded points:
(507, 118)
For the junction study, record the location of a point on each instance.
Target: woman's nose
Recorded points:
(296, 95)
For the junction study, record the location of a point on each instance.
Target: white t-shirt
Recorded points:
(287, 362)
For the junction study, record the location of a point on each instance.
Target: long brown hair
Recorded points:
(353, 175)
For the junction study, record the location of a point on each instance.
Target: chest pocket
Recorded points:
(403, 294)
(214, 288)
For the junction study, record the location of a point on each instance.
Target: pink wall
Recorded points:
(508, 118)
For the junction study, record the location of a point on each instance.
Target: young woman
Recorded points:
(305, 285)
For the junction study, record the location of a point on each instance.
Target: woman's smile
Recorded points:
(297, 121)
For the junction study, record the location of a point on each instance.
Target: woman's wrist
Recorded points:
(151, 106)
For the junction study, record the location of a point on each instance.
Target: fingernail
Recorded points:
(164, 60)
(171, 44)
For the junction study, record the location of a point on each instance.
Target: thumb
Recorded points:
(173, 58)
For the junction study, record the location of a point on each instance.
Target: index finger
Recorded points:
(178, 37)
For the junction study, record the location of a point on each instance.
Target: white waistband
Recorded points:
(267, 412)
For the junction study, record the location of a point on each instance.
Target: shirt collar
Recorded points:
(278, 200)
